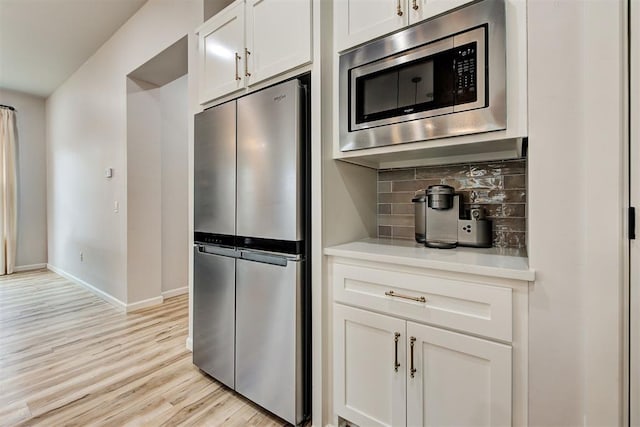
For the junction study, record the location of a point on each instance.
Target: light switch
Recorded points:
(108, 173)
(116, 206)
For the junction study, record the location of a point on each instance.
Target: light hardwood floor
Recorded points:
(69, 358)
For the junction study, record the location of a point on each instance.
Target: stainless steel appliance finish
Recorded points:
(476, 35)
(419, 221)
(442, 226)
(440, 196)
(214, 164)
(269, 163)
(488, 113)
(443, 222)
(251, 277)
(474, 232)
(269, 334)
(214, 311)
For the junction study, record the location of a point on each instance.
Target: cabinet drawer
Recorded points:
(465, 306)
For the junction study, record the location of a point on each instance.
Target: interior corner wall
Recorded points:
(157, 194)
(211, 7)
(576, 138)
(174, 105)
(87, 132)
(32, 177)
(144, 191)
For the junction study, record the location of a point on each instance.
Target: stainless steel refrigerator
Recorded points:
(251, 296)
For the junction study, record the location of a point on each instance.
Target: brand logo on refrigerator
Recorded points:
(279, 98)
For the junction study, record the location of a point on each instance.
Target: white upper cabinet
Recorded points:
(278, 37)
(251, 41)
(359, 21)
(420, 10)
(221, 46)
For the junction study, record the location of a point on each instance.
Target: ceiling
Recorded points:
(42, 42)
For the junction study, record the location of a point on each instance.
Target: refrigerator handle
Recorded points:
(218, 250)
(264, 258)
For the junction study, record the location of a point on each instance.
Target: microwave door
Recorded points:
(403, 87)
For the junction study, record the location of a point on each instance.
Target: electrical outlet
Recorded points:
(81, 257)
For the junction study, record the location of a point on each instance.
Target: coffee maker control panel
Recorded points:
(475, 233)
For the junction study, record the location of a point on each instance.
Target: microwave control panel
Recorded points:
(465, 66)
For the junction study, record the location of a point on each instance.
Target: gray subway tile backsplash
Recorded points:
(396, 174)
(498, 186)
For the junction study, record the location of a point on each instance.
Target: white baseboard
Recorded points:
(30, 267)
(175, 292)
(144, 303)
(105, 296)
(189, 344)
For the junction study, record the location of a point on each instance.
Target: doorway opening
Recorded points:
(157, 177)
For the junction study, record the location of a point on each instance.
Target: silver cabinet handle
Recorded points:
(415, 5)
(413, 369)
(246, 62)
(396, 364)
(399, 10)
(237, 59)
(393, 294)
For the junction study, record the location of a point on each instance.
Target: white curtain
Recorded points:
(8, 190)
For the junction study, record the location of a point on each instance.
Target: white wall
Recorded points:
(32, 177)
(634, 332)
(87, 131)
(576, 146)
(174, 104)
(157, 176)
(144, 192)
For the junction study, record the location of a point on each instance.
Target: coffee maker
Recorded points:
(441, 222)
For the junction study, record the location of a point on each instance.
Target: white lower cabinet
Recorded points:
(456, 380)
(370, 368)
(393, 372)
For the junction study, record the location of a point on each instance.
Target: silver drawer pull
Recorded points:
(393, 294)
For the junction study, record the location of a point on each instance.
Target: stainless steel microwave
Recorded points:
(442, 77)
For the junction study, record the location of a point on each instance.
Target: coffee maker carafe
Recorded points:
(440, 214)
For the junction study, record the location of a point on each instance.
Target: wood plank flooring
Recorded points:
(69, 358)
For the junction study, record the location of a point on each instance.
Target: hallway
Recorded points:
(69, 358)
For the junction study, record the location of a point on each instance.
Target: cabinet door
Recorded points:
(420, 10)
(370, 374)
(458, 380)
(358, 21)
(278, 37)
(221, 53)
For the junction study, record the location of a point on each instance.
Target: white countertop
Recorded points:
(494, 262)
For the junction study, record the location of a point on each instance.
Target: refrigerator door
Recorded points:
(270, 135)
(215, 170)
(269, 334)
(214, 311)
